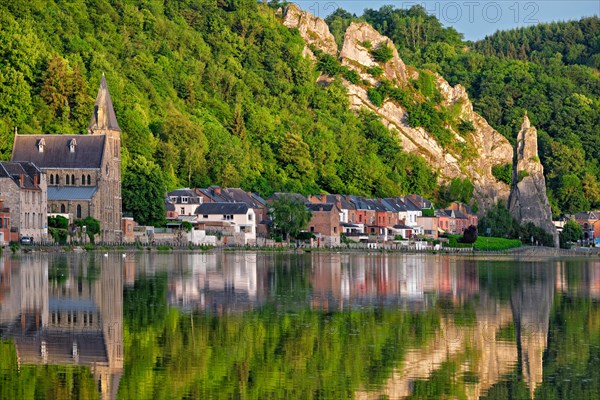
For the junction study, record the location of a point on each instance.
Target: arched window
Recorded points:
(57, 179)
(72, 179)
(82, 180)
(78, 210)
(89, 180)
(62, 208)
(51, 179)
(68, 180)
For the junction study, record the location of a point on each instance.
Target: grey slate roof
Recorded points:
(320, 207)
(14, 170)
(104, 115)
(88, 151)
(294, 196)
(222, 208)
(71, 192)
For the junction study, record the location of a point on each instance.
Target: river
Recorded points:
(235, 325)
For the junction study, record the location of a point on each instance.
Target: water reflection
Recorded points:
(325, 325)
(65, 310)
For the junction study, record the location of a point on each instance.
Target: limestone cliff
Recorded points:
(528, 201)
(489, 147)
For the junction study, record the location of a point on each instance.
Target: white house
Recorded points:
(236, 219)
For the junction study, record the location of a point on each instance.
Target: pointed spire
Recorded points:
(104, 117)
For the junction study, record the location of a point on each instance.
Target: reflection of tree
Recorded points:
(58, 273)
(42, 381)
(263, 353)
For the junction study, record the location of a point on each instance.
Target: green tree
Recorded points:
(571, 232)
(290, 216)
(144, 192)
(92, 227)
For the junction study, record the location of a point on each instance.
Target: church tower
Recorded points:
(104, 122)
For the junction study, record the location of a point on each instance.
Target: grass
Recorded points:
(487, 243)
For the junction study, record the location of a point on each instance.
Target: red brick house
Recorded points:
(590, 223)
(325, 223)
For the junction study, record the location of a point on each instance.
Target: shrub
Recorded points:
(329, 65)
(375, 71)
(503, 172)
(522, 174)
(465, 127)
(470, 235)
(352, 76)
(382, 53)
(367, 44)
(375, 96)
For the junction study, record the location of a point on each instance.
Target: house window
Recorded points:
(62, 208)
(72, 179)
(57, 179)
(360, 218)
(89, 180)
(249, 217)
(68, 180)
(51, 179)
(312, 228)
(184, 200)
(204, 216)
(182, 211)
(335, 229)
(78, 210)
(82, 180)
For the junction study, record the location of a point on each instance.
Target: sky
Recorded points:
(474, 19)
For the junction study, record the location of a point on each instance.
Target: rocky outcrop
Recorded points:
(359, 40)
(528, 201)
(489, 147)
(313, 30)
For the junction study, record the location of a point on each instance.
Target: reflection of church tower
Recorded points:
(531, 304)
(104, 122)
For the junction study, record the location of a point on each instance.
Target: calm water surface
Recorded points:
(280, 326)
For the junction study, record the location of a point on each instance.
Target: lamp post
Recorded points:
(83, 233)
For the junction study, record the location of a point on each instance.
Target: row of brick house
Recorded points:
(244, 216)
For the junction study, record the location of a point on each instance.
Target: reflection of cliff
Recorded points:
(73, 317)
(481, 348)
(531, 303)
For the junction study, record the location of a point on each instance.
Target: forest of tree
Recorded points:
(552, 73)
(206, 92)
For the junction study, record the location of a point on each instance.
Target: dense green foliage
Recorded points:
(92, 227)
(503, 172)
(548, 70)
(578, 42)
(205, 91)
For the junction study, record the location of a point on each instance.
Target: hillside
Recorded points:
(206, 92)
(562, 100)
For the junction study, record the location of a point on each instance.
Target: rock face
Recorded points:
(528, 201)
(314, 30)
(354, 52)
(489, 146)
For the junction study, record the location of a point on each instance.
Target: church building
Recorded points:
(83, 172)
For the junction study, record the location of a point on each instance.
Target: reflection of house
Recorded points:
(234, 219)
(5, 231)
(78, 321)
(233, 283)
(23, 188)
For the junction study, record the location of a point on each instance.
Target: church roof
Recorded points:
(57, 153)
(103, 116)
(71, 192)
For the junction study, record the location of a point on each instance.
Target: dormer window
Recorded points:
(72, 145)
(41, 145)
(184, 200)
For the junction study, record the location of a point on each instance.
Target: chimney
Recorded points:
(21, 180)
(36, 180)
(323, 198)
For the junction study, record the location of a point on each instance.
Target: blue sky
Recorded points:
(474, 19)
